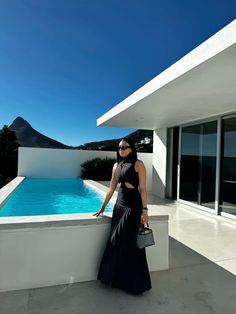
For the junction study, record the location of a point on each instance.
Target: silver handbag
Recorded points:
(144, 237)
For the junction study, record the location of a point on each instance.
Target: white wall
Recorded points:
(65, 163)
(159, 162)
(45, 256)
(54, 163)
(147, 160)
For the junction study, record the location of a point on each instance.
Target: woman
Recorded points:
(123, 264)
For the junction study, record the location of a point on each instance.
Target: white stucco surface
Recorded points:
(159, 162)
(40, 251)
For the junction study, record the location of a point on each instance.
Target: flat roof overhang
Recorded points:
(200, 85)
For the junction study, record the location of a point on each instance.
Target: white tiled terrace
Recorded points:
(201, 278)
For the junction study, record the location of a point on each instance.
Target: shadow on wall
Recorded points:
(158, 187)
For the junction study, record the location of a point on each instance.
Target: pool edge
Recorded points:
(58, 219)
(9, 188)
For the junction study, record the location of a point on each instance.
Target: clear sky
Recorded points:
(64, 63)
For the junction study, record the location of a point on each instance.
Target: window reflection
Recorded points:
(198, 164)
(228, 161)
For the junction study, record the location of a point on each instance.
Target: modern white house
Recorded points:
(191, 108)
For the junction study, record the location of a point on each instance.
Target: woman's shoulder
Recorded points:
(138, 164)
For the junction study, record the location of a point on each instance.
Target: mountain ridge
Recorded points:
(27, 136)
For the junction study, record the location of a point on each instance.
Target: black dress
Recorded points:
(123, 265)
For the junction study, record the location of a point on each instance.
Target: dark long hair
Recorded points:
(132, 157)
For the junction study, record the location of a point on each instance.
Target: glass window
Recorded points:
(228, 167)
(198, 164)
(189, 163)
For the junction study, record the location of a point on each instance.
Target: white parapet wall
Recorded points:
(65, 163)
(51, 251)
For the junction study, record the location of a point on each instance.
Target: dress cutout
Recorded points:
(123, 264)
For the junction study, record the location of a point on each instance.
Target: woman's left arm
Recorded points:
(140, 168)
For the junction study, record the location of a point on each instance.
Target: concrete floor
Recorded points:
(214, 237)
(201, 278)
(192, 285)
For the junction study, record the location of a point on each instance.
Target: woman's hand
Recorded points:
(144, 217)
(101, 211)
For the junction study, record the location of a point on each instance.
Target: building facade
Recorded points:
(191, 108)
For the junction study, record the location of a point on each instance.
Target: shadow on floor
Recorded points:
(192, 285)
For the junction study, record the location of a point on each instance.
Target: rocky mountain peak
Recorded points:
(19, 122)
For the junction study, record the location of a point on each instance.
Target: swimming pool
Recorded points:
(52, 196)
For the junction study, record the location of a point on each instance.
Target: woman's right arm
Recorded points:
(112, 187)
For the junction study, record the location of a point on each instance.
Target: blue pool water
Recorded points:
(52, 196)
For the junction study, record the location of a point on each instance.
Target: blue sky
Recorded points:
(65, 63)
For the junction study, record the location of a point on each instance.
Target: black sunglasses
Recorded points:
(123, 147)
